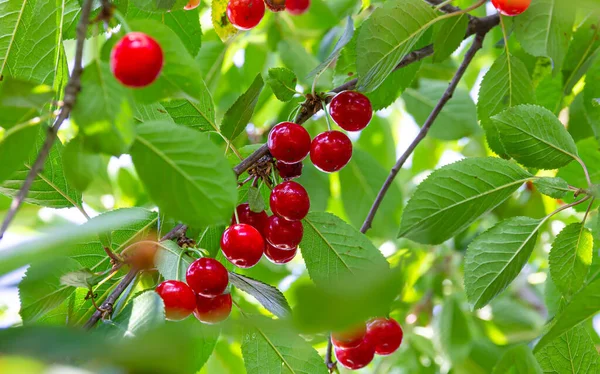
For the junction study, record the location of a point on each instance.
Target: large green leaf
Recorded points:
(237, 117)
(451, 198)
(21, 100)
(172, 261)
(142, 314)
(518, 360)
(449, 33)
(270, 297)
(573, 352)
(15, 148)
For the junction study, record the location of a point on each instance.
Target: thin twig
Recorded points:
(176, 232)
(71, 91)
(328, 355)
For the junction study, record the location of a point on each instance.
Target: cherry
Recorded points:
(289, 171)
(511, 7)
(297, 7)
(349, 339)
(280, 256)
(275, 5)
(290, 200)
(357, 357)
(351, 110)
(245, 14)
(289, 142)
(178, 297)
(136, 60)
(193, 4)
(247, 216)
(283, 234)
(385, 335)
(330, 151)
(242, 245)
(213, 309)
(207, 277)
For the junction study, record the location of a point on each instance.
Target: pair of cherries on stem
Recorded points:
(246, 14)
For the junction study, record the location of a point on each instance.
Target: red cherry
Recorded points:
(283, 234)
(289, 142)
(280, 256)
(245, 14)
(213, 309)
(297, 7)
(351, 110)
(193, 4)
(357, 357)
(242, 245)
(330, 151)
(245, 215)
(136, 60)
(385, 335)
(207, 277)
(178, 297)
(349, 339)
(289, 171)
(511, 7)
(290, 200)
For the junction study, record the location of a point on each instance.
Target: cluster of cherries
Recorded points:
(511, 7)
(246, 14)
(356, 348)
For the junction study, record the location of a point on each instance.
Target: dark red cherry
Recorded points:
(178, 297)
(351, 110)
(136, 60)
(385, 335)
(330, 151)
(511, 7)
(245, 14)
(289, 171)
(350, 338)
(193, 4)
(357, 357)
(290, 200)
(275, 5)
(213, 309)
(283, 234)
(297, 7)
(207, 277)
(247, 216)
(289, 142)
(280, 256)
(242, 245)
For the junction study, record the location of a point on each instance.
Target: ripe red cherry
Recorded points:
(247, 216)
(280, 256)
(289, 171)
(283, 234)
(349, 339)
(207, 277)
(330, 151)
(297, 7)
(193, 4)
(213, 309)
(136, 60)
(245, 14)
(357, 357)
(178, 297)
(289, 142)
(385, 335)
(511, 7)
(242, 245)
(290, 200)
(351, 110)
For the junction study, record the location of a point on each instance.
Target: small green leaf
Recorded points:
(571, 257)
(283, 83)
(224, 29)
(255, 200)
(448, 34)
(80, 165)
(269, 297)
(518, 360)
(573, 352)
(80, 278)
(172, 261)
(21, 100)
(553, 187)
(237, 117)
(341, 43)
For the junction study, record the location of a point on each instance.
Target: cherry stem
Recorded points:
(327, 116)
(119, 16)
(237, 218)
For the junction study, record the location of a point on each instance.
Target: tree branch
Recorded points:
(71, 91)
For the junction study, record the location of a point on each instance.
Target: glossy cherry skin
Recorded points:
(289, 142)
(283, 234)
(511, 7)
(193, 4)
(351, 110)
(207, 277)
(178, 297)
(247, 216)
(280, 256)
(245, 14)
(330, 151)
(213, 309)
(289, 171)
(275, 5)
(290, 200)
(297, 7)
(136, 60)
(385, 335)
(350, 338)
(357, 357)
(242, 245)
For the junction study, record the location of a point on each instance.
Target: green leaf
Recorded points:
(237, 117)
(144, 312)
(534, 137)
(573, 352)
(81, 278)
(255, 200)
(573, 173)
(449, 34)
(553, 187)
(495, 258)
(159, 5)
(453, 330)
(210, 239)
(505, 85)
(317, 184)
(80, 165)
(517, 360)
(341, 43)
(570, 258)
(283, 83)
(582, 51)
(220, 21)
(201, 188)
(387, 36)
(453, 197)
(15, 148)
(172, 261)
(296, 58)
(21, 100)
(345, 66)
(591, 92)
(269, 297)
